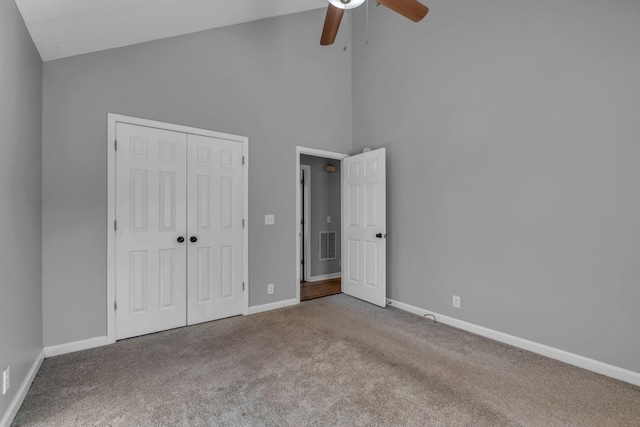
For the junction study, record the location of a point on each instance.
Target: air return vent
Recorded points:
(327, 245)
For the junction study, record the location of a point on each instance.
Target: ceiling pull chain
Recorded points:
(366, 5)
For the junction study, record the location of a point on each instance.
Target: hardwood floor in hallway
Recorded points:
(311, 290)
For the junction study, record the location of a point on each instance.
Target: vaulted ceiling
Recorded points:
(62, 28)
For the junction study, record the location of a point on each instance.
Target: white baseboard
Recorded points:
(16, 403)
(534, 347)
(273, 306)
(57, 350)
(324, 277)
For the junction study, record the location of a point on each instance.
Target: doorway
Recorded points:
(363, 222)
(321, 227)
(177, 209)
(319, 219)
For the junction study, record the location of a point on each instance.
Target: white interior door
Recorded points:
(364, 227)
(150, 199)
(214, 271)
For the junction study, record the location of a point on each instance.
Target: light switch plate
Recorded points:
(269, 219)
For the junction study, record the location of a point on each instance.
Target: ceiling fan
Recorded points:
(411, 9)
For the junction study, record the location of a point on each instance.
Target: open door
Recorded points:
(364, 223)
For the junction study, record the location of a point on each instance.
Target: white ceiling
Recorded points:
(62, 28)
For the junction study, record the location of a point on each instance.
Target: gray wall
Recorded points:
(20, 200)
(269, 80)
(513, 138)
(325, 201)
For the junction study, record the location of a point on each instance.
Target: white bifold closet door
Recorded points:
(179, 229)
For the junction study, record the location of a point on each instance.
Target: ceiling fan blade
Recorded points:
(411, 9)
(331, 25)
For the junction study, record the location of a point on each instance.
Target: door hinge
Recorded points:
(243, 160)
(243, 223)
(115, 225)
(115, 306)
(243, 286)
(115, 145)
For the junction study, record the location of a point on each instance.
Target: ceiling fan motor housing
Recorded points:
(346, 4)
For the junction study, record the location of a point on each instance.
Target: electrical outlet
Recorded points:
(329, 219)
(5, 380)
(270, 288)
(456, 301)
(269, 219)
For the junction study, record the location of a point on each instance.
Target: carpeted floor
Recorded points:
(329, 361)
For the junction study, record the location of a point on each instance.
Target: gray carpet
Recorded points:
(330, 361)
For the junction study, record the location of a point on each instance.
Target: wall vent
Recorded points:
(327, 245)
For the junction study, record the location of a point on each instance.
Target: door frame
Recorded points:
(112, 120)
(306, 230)
(318, 153)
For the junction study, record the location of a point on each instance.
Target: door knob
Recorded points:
(380, 236)
(193, 239)
(180, 239)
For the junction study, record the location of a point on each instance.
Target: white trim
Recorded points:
(16, 403)
(57, 350)
(273, 306)
(325, 277)
(111, 217)
(245, 230)
(534, 347)
(112, 119)
(311, 152)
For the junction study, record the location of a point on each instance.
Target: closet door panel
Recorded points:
(150, 212)
(214, 206)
